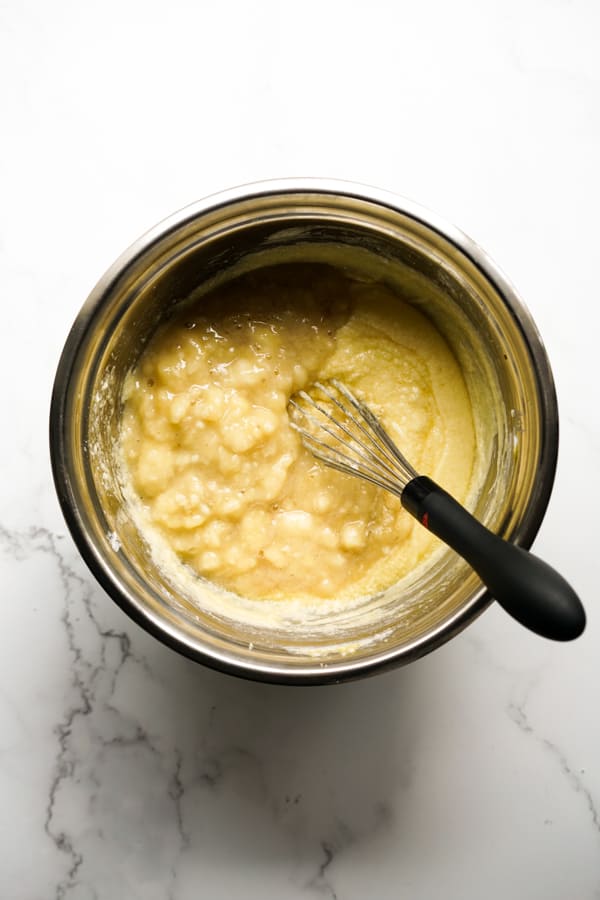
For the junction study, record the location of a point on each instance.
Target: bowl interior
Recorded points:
(492, 336)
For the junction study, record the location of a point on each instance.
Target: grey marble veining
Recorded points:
(150, 766)
(152, 774)
(129, 772)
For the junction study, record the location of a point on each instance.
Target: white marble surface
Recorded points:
(128, 772)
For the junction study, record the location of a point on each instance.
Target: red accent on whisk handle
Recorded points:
(525, 586)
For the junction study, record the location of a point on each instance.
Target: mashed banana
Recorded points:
(209, 454)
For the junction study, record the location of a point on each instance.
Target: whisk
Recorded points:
(345, 434)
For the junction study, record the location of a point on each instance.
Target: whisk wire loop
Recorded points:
(375, 432)
(354, 441)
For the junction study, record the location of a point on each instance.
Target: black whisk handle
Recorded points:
(525, 586)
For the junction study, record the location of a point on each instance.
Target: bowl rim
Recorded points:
(317, 673)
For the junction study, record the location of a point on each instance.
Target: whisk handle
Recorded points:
(525, 586)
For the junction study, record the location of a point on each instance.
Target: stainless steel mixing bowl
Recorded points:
(373, 235)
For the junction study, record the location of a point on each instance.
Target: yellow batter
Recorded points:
(208, 450)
